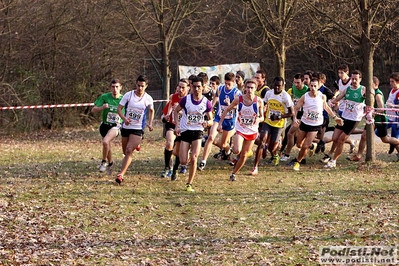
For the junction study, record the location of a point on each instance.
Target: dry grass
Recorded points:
(56, 209)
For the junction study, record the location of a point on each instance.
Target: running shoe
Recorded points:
(233, 162)
(254, 171)
(201, 165)
(217, 155)
(170, 172)
(276, 160)
(103, 166)
(232, 177)
(296, 166)
(353, 158)
(330, 164)
(325, 159)
(165, 172)
(119, 179)
(285, 158)
(225, 156)
(189, 188)
(173, 177)
(183, 169)
(138, 148)
(250, 154)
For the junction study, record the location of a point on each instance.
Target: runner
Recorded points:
(250, 112)
(352, 114)
(313, 103)
(192, 123)
(174, 99)
(136, 103)
(107, 104)
(279, 106)
(379, 124)
(224, 96)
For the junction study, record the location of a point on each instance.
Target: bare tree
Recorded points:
(364, 27)
(171, 19)
(283, 25)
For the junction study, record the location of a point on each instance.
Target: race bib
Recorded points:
(229, 115)
(113, 118)
(134, 115)
(195, 119)
(312, 116)
(349, 106)
(274, 112)
(247, 120)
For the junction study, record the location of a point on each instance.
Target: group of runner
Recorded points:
(245, 112)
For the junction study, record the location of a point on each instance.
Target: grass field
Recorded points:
(57, 209)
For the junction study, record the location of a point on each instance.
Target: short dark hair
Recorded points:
(309, 73)
(394, 76)
(215, 79)
(262, 72)
(298, 76)
(314, 79)
(204, 76)
(357, 72)
(142, 78)
(114, 81)
(197, 79)
(190, 78)
(343, 67)
(229, 76)
(278, 79)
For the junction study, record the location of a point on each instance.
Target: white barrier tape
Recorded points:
(387, 123)
(395, 116)
(386, 109)
(55, 105)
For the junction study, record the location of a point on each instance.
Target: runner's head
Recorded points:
(229, 80)
(250, 86)
(116, 87)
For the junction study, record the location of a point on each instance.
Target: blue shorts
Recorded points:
(228, 124)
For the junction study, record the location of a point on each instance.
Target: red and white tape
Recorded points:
(43, 106)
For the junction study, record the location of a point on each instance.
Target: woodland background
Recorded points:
(67, 51)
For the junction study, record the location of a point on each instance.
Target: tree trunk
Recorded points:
(281, 59)
(166, 75)
(368, 60)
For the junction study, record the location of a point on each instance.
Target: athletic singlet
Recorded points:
(193, 112)
(277, 104)
(313, 110)
(379, 118)
(223, 95)
(297, 94)
(342, 87)
(260, 91)
(136, 109)
(354, 104)
(175, 99)
(109, 115)
(246, 119)
(209, 94)
(392, 98)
